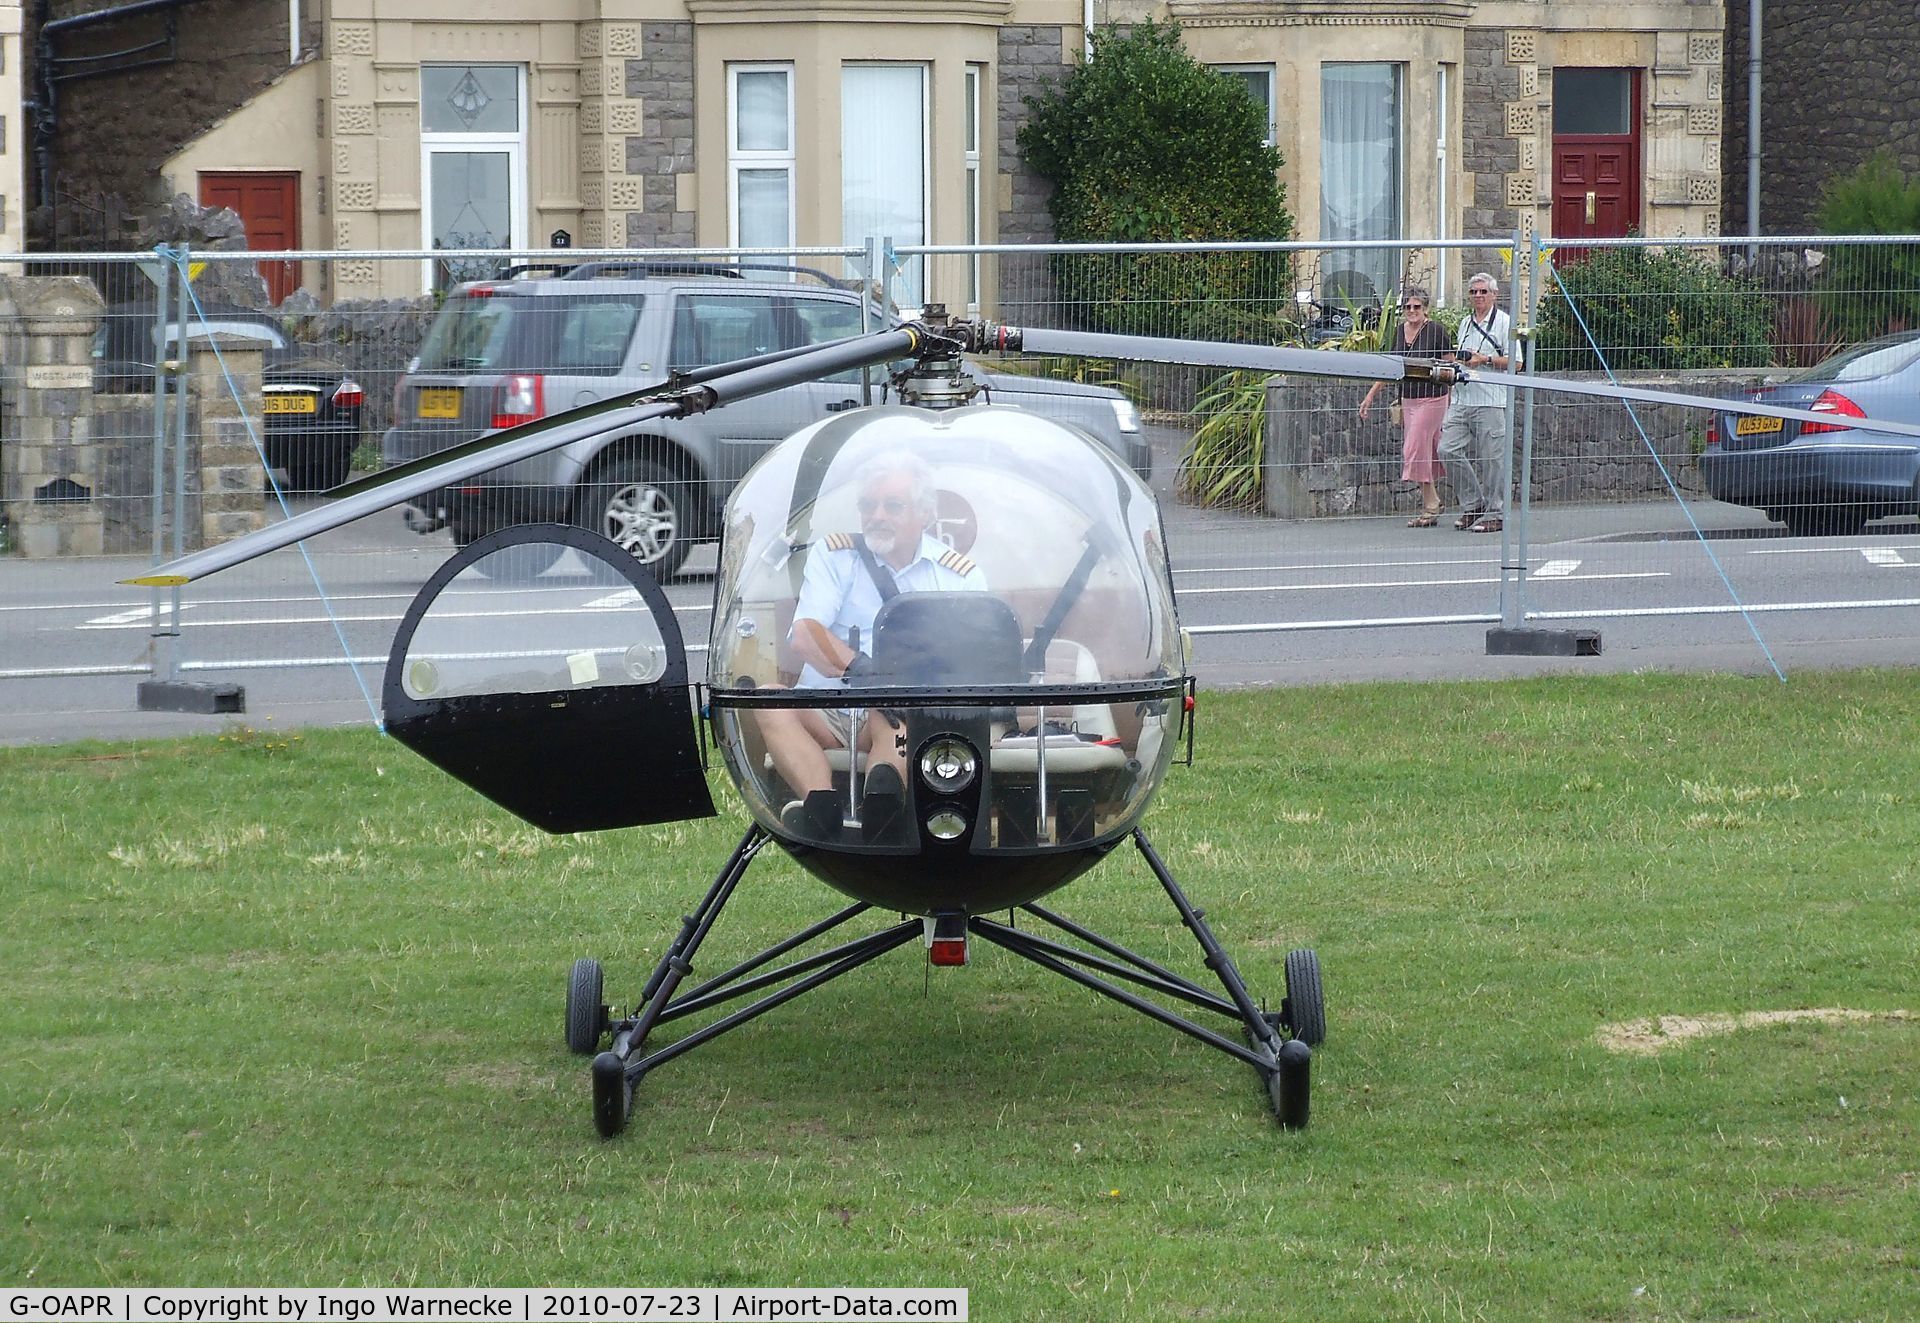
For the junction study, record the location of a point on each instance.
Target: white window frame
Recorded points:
(739, 160)
(1266, 71)
(513, 144)
(912, 270)
(976, 87)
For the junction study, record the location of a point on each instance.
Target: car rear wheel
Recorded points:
(640, 505)
(322, 472)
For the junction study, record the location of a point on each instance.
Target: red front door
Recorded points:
(269, 204)
(1596, 155)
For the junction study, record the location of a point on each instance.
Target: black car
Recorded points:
(311, 424)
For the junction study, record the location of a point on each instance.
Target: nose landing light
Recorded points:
(946, 938)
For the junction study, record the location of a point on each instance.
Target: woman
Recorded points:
(1423, 404)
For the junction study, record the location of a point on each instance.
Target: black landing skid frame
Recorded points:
(1271, 1042)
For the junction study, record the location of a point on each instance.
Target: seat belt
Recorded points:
(881, 576)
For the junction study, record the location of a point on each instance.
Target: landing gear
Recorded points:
(1278, 1045)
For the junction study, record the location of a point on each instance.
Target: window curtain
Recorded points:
(883, 161)
(1360, 176)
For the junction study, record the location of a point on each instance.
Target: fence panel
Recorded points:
(1291, 517)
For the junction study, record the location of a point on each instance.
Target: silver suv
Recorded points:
(504, 352)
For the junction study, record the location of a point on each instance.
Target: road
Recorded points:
(1269, 601)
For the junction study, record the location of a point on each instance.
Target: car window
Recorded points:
(468, 335)
(824, 320)
(591, 334)
(719, 328)
(1875, 358)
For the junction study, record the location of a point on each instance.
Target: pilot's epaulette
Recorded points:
(839, 542)
(959, 564)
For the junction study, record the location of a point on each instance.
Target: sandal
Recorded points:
(1490, 524)
(1425, 519)
(1469, 518)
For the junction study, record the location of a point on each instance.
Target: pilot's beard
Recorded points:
(882, 543)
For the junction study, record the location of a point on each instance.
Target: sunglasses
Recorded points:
(1479, 291)
(1413, 307)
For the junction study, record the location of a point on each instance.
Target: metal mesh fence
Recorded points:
(1292, 513)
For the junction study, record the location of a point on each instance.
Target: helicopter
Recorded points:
(987, 722)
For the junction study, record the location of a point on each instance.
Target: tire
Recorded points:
(324, 473)
(1305, 1009)
(586, 1012)
(1824, 520)
(641, 506)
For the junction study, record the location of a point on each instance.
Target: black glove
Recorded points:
(859, 667)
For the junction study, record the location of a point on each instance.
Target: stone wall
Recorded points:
(662, 152)
(1029, 65)
(1837, 83)
(1322, 460)
(115, 131)
(76, 466)
(1489, 81)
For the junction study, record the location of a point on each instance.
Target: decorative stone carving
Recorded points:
(1521, 190)
(1523, 119)
(353, 39)
(1703, 120)
(1522, 47)
(352, 118)
(354, 194)
(623, 39)
(624, 193)
(1703, 190)
(589, 41)
(1703, 48)
(591, 117)
(1529, 80)
(623, 117)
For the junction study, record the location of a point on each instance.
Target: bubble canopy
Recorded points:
(1058, 531)
(970, 610)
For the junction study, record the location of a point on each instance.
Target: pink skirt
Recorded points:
(1420, 423)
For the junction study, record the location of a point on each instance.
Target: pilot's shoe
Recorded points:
(795, 820)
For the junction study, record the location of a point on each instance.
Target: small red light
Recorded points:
(1186, 704)
(478, 292)
(947, 951)
(1835, 403)
(1713, 431)
(348, 395)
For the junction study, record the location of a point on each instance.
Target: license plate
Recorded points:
(439, 402)
(286, 403)
(1754, 425)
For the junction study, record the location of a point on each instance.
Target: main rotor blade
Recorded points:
(1391, 367)
(1216, 354)
(529, 439)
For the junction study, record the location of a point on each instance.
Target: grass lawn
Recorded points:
(287, 1010)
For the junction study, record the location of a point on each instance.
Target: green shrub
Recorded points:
(1658, 309)
(1871, 289)
(1143, 143)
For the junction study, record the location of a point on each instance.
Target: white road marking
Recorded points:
(1556, 569)
(1882, 556)
(140, 615)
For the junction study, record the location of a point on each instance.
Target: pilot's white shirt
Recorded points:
(839, 592)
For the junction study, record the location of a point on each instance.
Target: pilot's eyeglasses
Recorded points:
(893, 505)
(1413, 307)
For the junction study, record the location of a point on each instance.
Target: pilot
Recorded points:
(847, 577)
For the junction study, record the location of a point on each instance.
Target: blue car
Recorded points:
(1826, 478)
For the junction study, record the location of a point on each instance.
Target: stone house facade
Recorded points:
(714, 123)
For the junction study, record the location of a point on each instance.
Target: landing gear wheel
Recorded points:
(643, 507)
(612, 1095)
(586, 1013)
(1304, 1010)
